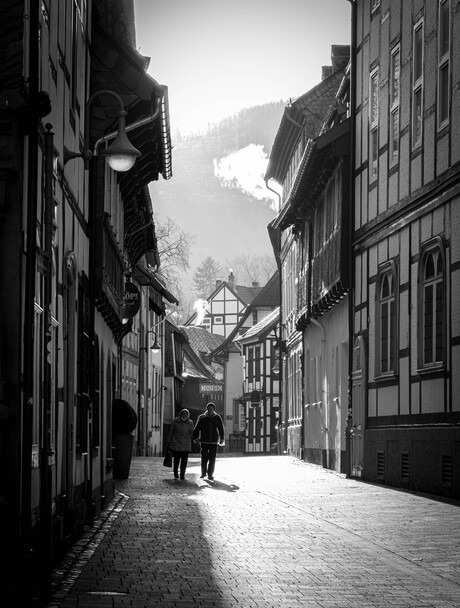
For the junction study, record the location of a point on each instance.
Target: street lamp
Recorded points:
(155, 347)
(121, 154)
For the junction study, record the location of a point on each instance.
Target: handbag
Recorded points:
(167, 460)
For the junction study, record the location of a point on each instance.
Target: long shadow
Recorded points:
(155, 552)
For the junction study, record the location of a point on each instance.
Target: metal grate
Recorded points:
(404, 466)
(446, 472)
(381, 465)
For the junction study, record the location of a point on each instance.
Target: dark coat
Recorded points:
(209, 429)
(181, 435)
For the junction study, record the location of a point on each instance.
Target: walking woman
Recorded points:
(180, 442)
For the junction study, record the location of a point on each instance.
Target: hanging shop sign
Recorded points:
(131, 301)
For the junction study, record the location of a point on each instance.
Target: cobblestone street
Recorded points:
(270, 531)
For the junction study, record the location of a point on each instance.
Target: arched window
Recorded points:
(386, 321)
(432, 300)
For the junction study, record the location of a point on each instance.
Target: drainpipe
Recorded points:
(324, 393)
(266, 180)
(135, 125)
(353, 63)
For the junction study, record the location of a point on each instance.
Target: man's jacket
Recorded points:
(209, 428)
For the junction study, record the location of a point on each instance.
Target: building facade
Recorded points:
(310, 236)
(406, 323)
(72, 229)
(224, 308)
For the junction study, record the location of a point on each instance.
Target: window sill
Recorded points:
(389, 378)
(432, 370)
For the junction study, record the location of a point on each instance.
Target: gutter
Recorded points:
(135, 125)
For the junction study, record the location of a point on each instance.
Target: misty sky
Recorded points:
(219, 56)
(216, 58)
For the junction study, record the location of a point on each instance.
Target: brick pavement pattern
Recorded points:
(269, 532)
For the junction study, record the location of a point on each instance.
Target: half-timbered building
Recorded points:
(406, 214)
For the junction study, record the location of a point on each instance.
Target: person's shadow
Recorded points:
(220, 485)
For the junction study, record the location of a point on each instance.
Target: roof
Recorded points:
(262, 327)
(269, 295)
(197, 360)
(304, 115)
(117, 67)
(145, 276)
(247, 294)
(201, 340)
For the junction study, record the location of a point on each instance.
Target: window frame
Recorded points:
(432, 246)
(374, 102)
(395, 94)
(388, 269)
(444, 66)
(418, 83)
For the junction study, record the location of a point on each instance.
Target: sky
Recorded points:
(219, 56)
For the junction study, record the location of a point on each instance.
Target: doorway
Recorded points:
(358, 407)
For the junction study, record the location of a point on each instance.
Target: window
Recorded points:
(218, 320)
(432, 299)
(417, 84)
(375, 5)
(250, 371)
(257, 363)
(386, 316)
(394, 103)
(443, 63)
(374, 123)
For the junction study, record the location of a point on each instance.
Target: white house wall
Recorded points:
(326, 388)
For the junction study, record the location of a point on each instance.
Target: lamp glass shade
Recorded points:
(155, 348)
(121, 154)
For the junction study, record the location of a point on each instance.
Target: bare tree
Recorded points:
(174, 246)
(251, 268)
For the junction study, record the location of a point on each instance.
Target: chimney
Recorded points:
(231, 279)
(218, 282)
(340, 56)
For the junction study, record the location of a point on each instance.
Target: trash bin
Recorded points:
(124, 421)
(123, 445)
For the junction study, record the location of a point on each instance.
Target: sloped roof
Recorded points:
(201, 340)
(262, 327)
(269, 295)
(305, 114)
(247, 294)
(201, 343)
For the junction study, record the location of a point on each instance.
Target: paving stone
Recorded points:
(269, 532)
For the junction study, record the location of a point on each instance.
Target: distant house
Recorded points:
(203, 375)
(224, 308)
(230, 352)
(261, 386)
(309, 159)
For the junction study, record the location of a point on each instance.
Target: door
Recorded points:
(358, 407)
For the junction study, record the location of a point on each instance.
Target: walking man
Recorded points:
(209, 429)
